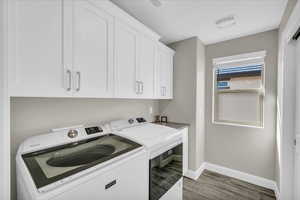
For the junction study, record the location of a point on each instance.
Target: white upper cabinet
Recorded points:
(126, 60)
(35, 48)
(89, 49)
(135, 61)
(84, 48)
(146, 67)
(164, 88)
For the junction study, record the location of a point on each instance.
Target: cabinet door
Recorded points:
(126, 61)
(35, 55)
(146, 69)
(169, 76)
(165, 74)
(92, 49)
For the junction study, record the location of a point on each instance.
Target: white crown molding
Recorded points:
(122, 15)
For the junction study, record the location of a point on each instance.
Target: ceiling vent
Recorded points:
(156, 3)
(226, 22)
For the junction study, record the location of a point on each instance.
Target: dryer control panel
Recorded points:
(141, 120)
(131, 122)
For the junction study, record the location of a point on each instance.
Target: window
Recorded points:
(238, 91)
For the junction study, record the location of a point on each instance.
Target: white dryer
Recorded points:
(82, 163)
(165, 147)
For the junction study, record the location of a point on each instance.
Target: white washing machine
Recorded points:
(165, 147)
(82, 163)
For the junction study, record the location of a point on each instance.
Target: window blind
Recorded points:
(240, 77)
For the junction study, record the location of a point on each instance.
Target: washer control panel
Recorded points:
(93, 130)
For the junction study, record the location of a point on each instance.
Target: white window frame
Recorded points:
(238, 60)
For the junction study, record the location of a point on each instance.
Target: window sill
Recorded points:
(237, 124)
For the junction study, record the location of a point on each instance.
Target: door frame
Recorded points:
(285, 143)
(5, 109)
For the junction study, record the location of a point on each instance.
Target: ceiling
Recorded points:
(180, 19)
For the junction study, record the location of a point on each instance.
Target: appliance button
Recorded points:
(131, 121)
(72, 133)
(140, 120)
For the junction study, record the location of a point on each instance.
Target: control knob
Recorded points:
(72, 133)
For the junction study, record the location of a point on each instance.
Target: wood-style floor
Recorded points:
(214, 186)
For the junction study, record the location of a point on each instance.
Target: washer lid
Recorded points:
(51, 165)
(150, 134)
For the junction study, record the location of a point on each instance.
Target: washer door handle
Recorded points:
(109, 185)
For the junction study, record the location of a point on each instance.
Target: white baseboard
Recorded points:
(263, 182)
(195, 174)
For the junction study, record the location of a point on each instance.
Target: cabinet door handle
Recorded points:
(163, 91)
(69, 73)
(137, 87)
(142, 89)
(79, 81)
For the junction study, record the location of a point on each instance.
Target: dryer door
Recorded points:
(165, 172)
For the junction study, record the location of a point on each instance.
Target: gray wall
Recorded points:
(188, 67)
(249, 150)
(32, 116)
